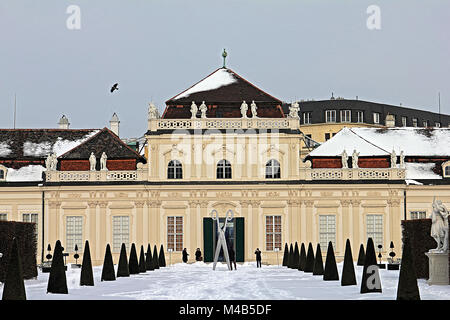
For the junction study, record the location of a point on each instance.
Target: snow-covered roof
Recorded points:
(4, 149)
(219, 78)
(25, 174)
(426, 142)
(418, 171)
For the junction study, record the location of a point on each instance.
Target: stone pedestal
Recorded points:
(438, 263)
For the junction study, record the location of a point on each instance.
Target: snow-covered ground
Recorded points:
(199, 282)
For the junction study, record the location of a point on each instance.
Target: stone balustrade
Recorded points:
(223, 123)
(96, 176)
(352, 174)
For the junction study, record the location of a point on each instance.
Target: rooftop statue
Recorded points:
(152, 111)
(344, 159)
(355, 156)
(203, 109)
(293, 110)
(402, 159)
(92, 161)
(103, 162)
(439, 226)
(244, 108)
(253, 108)
(393, 159)
(194, 110)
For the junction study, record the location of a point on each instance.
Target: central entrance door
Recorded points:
(234, 236)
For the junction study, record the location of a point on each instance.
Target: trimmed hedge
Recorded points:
(418, 231)
(27, 245)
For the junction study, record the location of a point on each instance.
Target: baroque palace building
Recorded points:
(223, 144)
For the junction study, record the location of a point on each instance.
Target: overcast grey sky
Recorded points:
(156, 49)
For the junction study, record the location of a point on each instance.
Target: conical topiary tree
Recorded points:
(285, 255)
(161, 258)
(133, 264)
(142, 268)
(330, 273)
(155, 258)
(361, 255)
(14, 287)
(348, 270)
(87, 276)
(407, 288)
(318, 262)
(108, 266)
(123, 269)
(370, 278)
(302, 259)
(291, 256)
(149, 259)
(57, 282)
(295, 261)
(309, 265)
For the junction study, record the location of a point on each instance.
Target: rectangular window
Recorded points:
(306, 117)
(447, 171)
(418, 215)
(437, 124)
(414, 122)
(327, 136)
(2, 174)
(376, 117)
(3, 217)
(74, 233)
(175, 233)
(346, 116)
(120, 232)
(31, 217)
(330, 115)
(375, 228)
(327, 231)
(273, 232)
(359, 116)
(425, 123)
(404, 121)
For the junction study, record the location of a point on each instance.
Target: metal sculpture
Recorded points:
(222, 242)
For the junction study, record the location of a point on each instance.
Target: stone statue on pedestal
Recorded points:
(393, 159)
(293, 110)
(103, 162)
(402, 159)
(253, 108)
(355, 156)
(194, 110)
(53, 161)
(244, 108)
(92, 161)
(439, 226)
(203, 109)
(152, 111)
(344, 159)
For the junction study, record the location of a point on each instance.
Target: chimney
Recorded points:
(63, 122)
(390, 121)
(114, 124)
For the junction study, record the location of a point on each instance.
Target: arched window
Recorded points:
(273, 169)
(223, 169)
(2, 174)
(446, 169)
(174, 170)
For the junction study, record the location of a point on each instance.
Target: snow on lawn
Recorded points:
(199, 282)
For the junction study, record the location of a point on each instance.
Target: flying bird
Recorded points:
(114, 87)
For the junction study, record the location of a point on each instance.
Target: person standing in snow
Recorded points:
(185, 255)
(258, 258)
(198, 255)
(232, 257)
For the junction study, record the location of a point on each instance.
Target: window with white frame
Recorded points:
(404, 121)
(120, 232)
(446, 169)
(306, 117)
(273, 169)
(3, 217)
(273, 233)
(374, 228)
(425, 123)
(418, 215)
(327, 230)
(346, 116)
(376, 117)
(174, 170)
(31, 217)
(74, 233)
(415, 122)
(330, 115)
(175, 233)
(437, 124)
(360, 116)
